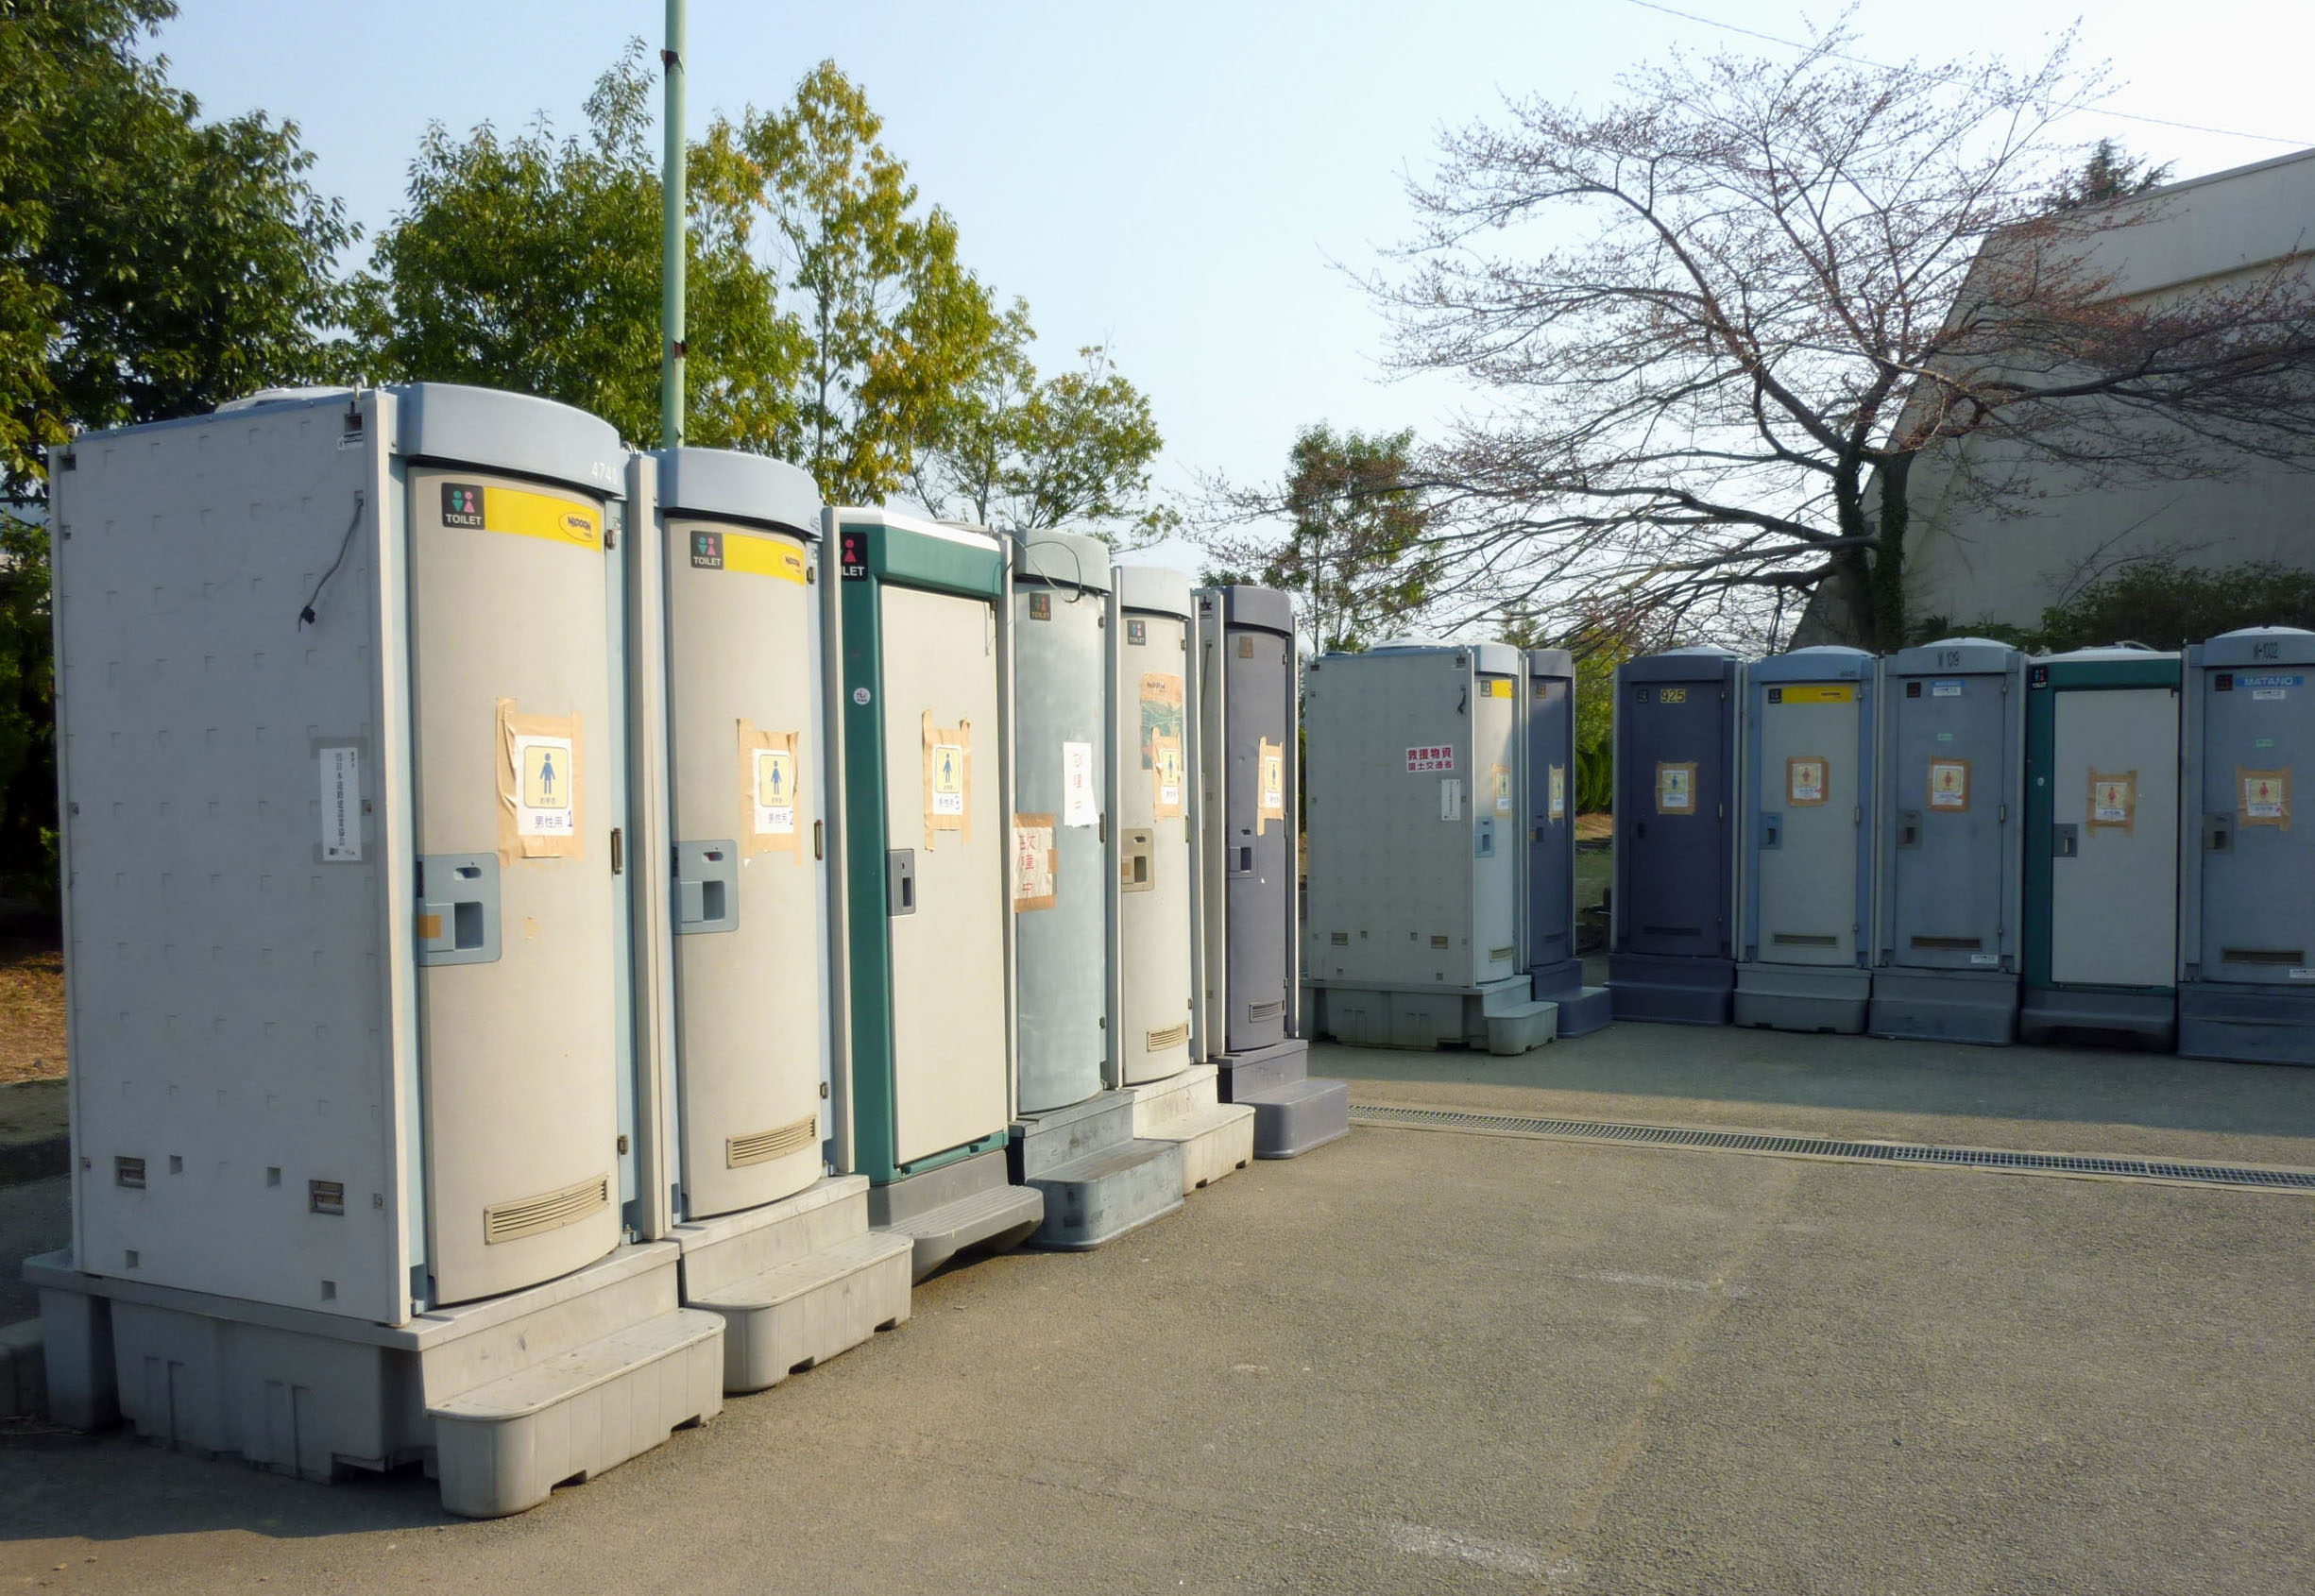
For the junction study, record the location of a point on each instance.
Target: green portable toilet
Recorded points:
(2101, 847)
(924, 745)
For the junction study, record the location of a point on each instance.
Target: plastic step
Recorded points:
(504, 1446)
(808, 1310)
(1513, 1028)
(1098, 1197)
(1290, 1120)
(994, 1219)
(1246, 1075)
(1042, 1141)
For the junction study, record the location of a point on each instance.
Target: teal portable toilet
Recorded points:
(925, 634)
(1072, 1137)
(2101, 847)
(2247, 918)
(1805, 950)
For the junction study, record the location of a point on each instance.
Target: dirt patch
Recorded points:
(1594, 828)
(31, 1008)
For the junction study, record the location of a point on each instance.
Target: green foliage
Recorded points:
(2162, 604)
(533, 264)
(151, 265)
(2109, 173)
(1356, 553)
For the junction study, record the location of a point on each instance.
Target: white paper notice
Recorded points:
(341, 804)
(1451, 799)
(1078, 806)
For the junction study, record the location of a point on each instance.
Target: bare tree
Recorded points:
(1771, 288)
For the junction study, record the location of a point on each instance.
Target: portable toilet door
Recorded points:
(1672, 935)
(1953, 811)
(2101, 846)
(1061, 880)
(2249, 918)
(1152, 755)
(739, 537)
(1808, 841)
(1554, 970)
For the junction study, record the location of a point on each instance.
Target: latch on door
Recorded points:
(2218, 833)
(707, 887)
(2065, 840)
(1483, 839)
(458, 908)
(1772, 831)
(1909, 828)
(900, 881)
(1136, 853)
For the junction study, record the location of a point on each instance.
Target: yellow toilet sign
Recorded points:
(948, 779)
(546, 783)
(776, 791)
(2266, 797)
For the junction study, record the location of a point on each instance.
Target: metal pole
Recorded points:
(672, 240)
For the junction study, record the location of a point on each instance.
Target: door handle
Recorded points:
(2065, 840)
(458, 908)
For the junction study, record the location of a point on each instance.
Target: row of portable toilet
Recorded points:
(1441, 824)
(1961, 842)
(556, 935)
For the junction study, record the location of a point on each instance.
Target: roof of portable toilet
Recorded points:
(1061, 559)
(1551, 662)
(754, 487)
(1954, 656)
(1263, 607)
(1160, 590)
(1682, 665)
(1831, 661)
(2254, 646)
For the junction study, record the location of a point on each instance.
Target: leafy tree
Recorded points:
(2161, 604)
(151, 265)
(891, 325)
(1358, 552)
(1072, 449)
(1720, 318)
(2108, 172)
(534, 264)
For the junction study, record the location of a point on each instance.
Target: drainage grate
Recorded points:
(2250, 1177)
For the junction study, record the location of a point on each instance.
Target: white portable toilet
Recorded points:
(1154, 861)
(2248, 931)
(733, 793)
(343, 766)
(1416, 927)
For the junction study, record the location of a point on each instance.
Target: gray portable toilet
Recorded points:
(1072, 1138)
(732, 790)
(1250, 725)
(1417, 914)
(1154, 856)
(1806, 843)
(1555, 970)
(343, 772)
(2248, 915)
(1952, 812)
(1672, 932)
(2101, 847)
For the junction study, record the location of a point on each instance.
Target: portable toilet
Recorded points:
(1417, 893)
(1806, 879)
(1072, 1136)
(1671, 949)
(1250, 725)
(2101, 846)
(343, 795)
(2249, 921)
(924, 634)
(732, 790)
(1555, 970)
(1953, 811)
(1154, 856)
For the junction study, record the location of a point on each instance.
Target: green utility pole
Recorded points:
(671, 246)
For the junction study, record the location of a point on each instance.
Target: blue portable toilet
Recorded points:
(1672, 932)
(1555, 973)
(1806, 841)
(2247, 919)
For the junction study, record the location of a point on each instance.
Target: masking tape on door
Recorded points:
(2264, 797)
(2113, 802)
(1271, 792)
(1033, 862)
(1948, 785)
(1675, 787)
(1805, 778)
(771, 797)
(1161, 741)
(948, 780)
(542, 799)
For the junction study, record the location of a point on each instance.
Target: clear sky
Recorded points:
(1187, 181)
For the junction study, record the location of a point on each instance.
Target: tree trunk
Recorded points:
(1888, 589)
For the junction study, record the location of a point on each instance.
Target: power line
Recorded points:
(1881, 66)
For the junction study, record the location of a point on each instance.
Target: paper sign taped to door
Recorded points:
(1079, 804)
(1804, 780)
(1033, 862)
(1161, 740)
(1557, 805)
(948, 779)
(1499, 780)
(341, 804)
(1270, 785)
(542, 813)
(2112, 800)
(1948, 785)
(771, 797)
(2265, 797)
(1675, 787)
